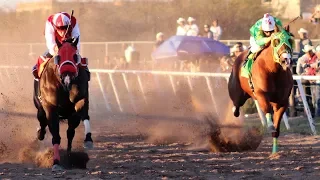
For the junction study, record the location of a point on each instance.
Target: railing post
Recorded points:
(190, 84)
(133, 104)
(173, 85)
(261, 114)
(306, 107)
(106, 102)
(212, 96)
(142, 89)
(115, 92)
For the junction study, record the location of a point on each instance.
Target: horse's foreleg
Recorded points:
(265, 106)
(53, 123)
(73, 123)
(82, 107)
(278, 113)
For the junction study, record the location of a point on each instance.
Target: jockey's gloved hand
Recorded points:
(69, 40)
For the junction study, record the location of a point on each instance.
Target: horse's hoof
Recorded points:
(57, 168)
(271, 129)
(88, 144)
(41, 134)
(235, 111)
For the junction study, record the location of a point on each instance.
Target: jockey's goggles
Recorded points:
(269, 31)
(62, 27)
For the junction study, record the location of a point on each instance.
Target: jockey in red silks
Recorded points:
(59, 27)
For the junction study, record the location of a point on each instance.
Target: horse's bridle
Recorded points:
(284, 38)
(76, 57)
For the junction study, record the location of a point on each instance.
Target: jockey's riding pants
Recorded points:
(254, 46)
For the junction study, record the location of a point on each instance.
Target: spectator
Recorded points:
(207, 32)
(131, 57)
(318, 51)
(192, 28)
(182, 27)
(159, 40)
(237, 49)
(216, 30)
(226, 62)
(308, 64)
(315, 17)
(317, 89)
(304, 40)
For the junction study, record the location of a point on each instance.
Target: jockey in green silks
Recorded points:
(261, 33)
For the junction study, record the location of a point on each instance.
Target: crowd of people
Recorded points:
(308, 63)
(190, 28)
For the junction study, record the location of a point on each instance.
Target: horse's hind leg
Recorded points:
(237, 95)
(73, 123)
(82, 107)
(41, 115)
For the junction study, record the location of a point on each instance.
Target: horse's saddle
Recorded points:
(42, 65)
(248, 62)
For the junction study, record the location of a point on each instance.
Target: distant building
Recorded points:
(289, 9)
(44, 6)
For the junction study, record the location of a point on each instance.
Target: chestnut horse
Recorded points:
(62, 93)
(269, 83)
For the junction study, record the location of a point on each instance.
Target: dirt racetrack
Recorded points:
(123, 151)
(140, 147)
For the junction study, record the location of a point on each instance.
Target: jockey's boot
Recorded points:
(247, 56)
(250, 56)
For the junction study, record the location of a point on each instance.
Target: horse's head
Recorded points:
(67, 61)
(282, 43)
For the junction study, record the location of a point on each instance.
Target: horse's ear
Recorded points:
(75, 41)
(287, 28)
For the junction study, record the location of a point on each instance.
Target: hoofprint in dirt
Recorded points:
(124, 155)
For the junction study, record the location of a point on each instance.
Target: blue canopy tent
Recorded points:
(182, 47)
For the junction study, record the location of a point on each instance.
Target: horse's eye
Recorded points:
(276, 42)
(291, 41)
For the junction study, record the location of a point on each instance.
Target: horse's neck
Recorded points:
(52, 68)
(269, 63)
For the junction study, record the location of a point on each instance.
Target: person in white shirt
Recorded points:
(182, 27)
(216, 30)
(193, 29)
(308, 64)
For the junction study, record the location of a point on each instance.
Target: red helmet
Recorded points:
(61, 21)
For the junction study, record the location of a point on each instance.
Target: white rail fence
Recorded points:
(13, 53)
(153, 92)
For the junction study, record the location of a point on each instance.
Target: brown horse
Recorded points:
(62, 93)
(271, 81)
